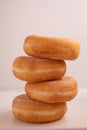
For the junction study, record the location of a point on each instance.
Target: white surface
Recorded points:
(75, 118)
(19, 18)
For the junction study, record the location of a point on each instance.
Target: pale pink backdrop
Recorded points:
(19, 18)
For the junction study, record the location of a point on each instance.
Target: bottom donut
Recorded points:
(29, 110)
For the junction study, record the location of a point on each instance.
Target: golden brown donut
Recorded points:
(32, 69)
(51, 47)
(61, 90)
(29, 110)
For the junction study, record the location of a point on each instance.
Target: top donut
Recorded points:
(51, 47)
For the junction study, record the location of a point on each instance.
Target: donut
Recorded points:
(51, 47)
(61, 90)
(25, 109)
(33, 69)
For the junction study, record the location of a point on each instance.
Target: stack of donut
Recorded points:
(47, 88)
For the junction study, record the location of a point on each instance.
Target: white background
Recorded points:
(19, 18)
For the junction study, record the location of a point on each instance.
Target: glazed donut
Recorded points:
(51, 47)
(29, 110)
(33, 69)
(61, 90)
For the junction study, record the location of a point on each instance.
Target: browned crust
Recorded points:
(61, 90)
(51, 47)
(34, 69)
(23, 103)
